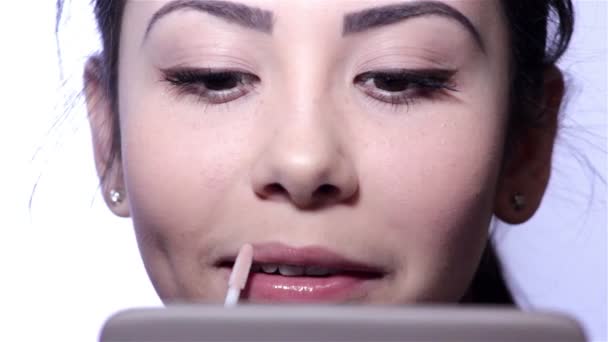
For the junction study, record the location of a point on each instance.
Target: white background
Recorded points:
(66, 263)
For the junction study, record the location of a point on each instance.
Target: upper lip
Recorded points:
(278, 253)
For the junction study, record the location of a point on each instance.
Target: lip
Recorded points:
(353, 281)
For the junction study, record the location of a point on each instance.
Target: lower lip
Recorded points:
(274, 288)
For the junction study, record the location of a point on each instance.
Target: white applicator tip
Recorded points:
(239, 275)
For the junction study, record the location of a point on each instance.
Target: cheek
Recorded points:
(437, 175)
(181, 164)
(174, 169)
(181, 168)
(437, 184)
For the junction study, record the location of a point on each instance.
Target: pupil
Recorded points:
(391, 84)
(221, 82)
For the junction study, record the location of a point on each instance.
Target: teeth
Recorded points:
(293, 270)
(270, 268)
(317, 271)
(290, 270)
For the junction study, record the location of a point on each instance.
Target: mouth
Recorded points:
(311, 274)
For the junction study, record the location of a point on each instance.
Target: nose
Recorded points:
(305, 165)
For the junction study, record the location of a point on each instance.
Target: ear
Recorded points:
(102, 120)
(526, 173)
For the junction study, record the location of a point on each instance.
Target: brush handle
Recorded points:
(232, 297)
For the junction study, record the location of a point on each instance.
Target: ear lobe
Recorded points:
(102, 123)
(117, 201)
(525, 175)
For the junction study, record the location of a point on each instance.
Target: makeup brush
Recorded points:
(239, 275)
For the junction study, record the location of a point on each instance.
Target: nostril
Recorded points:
(274, 188)
(322, 195)
(326, 190)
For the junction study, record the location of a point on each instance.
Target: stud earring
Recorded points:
(518, 201)
(116, 197)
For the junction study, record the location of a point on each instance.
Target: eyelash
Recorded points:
(408, 85)
(411, 85)
(199, 82)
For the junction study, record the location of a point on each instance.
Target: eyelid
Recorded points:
(445, 76)
(423, 84)
(190, 81)
(206, 71)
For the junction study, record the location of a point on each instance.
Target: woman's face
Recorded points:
(363, 136)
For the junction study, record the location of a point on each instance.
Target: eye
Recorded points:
(212, 86)
(401, 87)
(391, 83)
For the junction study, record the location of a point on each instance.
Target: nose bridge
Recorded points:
(306, 108)
(304, 159)
(305, 146)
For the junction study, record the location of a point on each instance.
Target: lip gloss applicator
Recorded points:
(239, 275)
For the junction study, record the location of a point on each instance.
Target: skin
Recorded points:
(415, 186)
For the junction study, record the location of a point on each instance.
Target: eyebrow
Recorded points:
(236, 13)
(390, 14)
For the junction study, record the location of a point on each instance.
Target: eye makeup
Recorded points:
(401, 87)
(395, 87)
(211, 86)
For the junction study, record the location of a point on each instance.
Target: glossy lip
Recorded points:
(353, 280)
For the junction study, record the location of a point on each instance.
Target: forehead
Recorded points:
(482, 13)
(325, 20)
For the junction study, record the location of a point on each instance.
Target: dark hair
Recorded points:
(540, 31)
